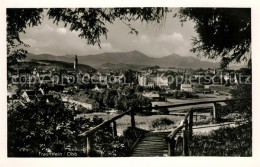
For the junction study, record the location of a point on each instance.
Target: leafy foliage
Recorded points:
(242, 106)
(119, 146)
(236, 141)
(17, 21)
(161, 123)
(222, 32)
(39, 128)
(151, 68)
(34, 128)
(120, 99)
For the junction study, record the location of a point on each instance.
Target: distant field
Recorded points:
(142, 122)
(202, 97)
(51, 64)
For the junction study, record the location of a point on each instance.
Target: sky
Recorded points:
(152, 40)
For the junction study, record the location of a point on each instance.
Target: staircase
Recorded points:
(152, 144)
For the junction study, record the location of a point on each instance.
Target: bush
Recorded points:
(39, 128)
(244, 107)
(205, 121)
(161, 123)
(120, 146)
(164, 111)
(231, 141)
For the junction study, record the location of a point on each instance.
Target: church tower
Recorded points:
(76, 64)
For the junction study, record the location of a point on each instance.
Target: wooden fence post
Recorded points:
(89, 145)
(185, 151)
(191, 124)
(214, 114)
(132, 118)
(114, 130)
(171, 147)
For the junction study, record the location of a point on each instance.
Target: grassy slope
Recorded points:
(232, 141)
(50, 64)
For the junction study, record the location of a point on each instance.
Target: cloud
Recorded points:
(177, 36)
(61, 30)
(171, 37)
(44, 28)
(161, 45)
(144, 39)
(59, 40)
(29, 41)
(106, 46)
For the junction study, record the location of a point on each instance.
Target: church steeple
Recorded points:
(76, 63)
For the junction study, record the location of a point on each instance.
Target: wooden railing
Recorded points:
(185, 126)
(89, 134)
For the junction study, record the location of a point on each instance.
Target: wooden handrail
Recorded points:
(174, 132)
(184, 126)
(180, 127)
(96, 128)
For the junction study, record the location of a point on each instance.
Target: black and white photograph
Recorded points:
(103, 82)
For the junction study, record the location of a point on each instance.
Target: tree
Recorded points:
(36, 128)
(91, 23)
(139, 88)
(222, 32)
(242, 106)
(176, 83)
(17, 21)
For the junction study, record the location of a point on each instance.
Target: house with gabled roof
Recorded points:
(31, 95)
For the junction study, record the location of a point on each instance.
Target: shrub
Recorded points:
(36, 128)
(164, 111)
(159, 123)
(205, 121)
(120, 146)
(231, 141)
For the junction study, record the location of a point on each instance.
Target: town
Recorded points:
(87, 91)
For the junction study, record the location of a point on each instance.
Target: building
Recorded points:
(92, 104)
(13, 104)
(142, 80)
(36, 72)
(218, 88)
(97, 89)
(68, 90)
(154, 96)
(30, 96)
(199, 88)
(187, 87)
(48, 99)
(162, 82)
(151, 96)
(12, 91)
(76, 64)
(158, 79)
(81, 99)
(88, 104)
(42, 90)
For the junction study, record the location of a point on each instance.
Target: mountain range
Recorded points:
(130, 58)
